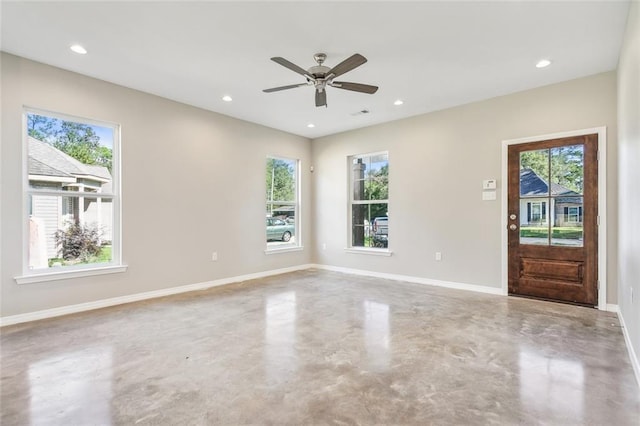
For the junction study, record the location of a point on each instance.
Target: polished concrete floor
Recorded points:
(317, 347)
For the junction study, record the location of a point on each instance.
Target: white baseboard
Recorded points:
(612, 308)
(632, 353)
(82, 307)
(416, 280)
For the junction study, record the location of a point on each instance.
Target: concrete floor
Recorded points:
(317, 347)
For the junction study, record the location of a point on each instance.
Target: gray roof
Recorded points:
(39, 168)
(47, 160)
(531, 185)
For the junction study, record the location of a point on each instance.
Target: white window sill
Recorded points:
(75, 273)
(369, 251)
(277, 250)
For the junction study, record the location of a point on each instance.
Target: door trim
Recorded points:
(602, 205)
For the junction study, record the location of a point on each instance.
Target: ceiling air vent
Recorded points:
(361, 112)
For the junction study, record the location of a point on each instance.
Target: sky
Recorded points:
(105, 134)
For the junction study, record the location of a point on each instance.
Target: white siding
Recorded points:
(47, 208)
(101, 216)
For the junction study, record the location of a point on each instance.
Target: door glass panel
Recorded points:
(567, 182)
(567, 226)
(534, 197)
(567, 170)
(534, 173)
(534, 222)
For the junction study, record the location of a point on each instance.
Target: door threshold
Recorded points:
(546, 299)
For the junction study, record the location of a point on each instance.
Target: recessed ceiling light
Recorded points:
(311, 125)
(78, 49)
(543, 63)
(398, 102)
(227, 98)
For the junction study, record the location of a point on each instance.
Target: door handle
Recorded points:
(513, 226)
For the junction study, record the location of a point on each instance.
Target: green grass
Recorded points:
(571, 233)
(103, 257)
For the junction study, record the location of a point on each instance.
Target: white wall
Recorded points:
(629, 175)
(193, 182)
(437, 164)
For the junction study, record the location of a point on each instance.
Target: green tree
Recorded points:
(79, 141)
(280, 180)
(567, 167)
(538, 161)
(376, 187)
(40, 127)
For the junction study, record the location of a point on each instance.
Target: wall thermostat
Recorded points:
(489, 184)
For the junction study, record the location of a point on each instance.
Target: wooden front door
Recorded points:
(553, 219)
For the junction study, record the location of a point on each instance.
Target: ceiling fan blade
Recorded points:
(347, 65)
(321, 98)
(355, 87)
(293, 67)
(291, 86)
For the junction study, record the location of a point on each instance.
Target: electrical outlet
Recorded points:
(214, 256)
(438, 255)
(324, 246)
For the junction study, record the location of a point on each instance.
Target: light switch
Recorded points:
(488, 195)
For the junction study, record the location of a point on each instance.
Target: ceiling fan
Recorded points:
(322, 76)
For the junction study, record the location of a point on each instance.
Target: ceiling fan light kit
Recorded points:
(321, 76)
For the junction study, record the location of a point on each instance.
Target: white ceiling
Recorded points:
(432, 55)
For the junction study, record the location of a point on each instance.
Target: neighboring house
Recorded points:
(536, 202)
(50, 168)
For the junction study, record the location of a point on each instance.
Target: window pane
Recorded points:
(281, 179)
(567, 170)
(282, 204)
(534, 197)
(534, 223)
(370, 177)
(370, 225)
(534, 173)
(567, 227)
(69, 156)
(69, 230)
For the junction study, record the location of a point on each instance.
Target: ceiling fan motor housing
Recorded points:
(319, 71)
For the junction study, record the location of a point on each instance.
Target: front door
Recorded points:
(553, 219)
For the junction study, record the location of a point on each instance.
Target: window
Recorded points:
(282, 218)
(573, 214)
(537, 212)
(369, 200)
(71, 194)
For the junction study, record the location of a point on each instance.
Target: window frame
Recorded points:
(379, 251)
(81, 270)
(297, 244)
